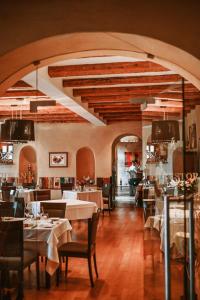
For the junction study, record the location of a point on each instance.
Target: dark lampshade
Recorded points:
(17, 131)
(165, 131)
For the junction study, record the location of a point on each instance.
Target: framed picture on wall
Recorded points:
(58, 159)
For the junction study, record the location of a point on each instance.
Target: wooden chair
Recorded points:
(13, 257)
(83, 250)
(8, 209)
(107, 194)
(54, 210)
(20, 207)
(42, 195)
(66, 186)
(8, 192)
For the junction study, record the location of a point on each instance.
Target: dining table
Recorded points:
(90, 195)
(45, 236)
(75, 209)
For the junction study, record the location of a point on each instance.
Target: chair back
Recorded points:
(8, 192)
(11, 241)
(20, 207)
(106, 190)
(42, 195)
(8, 209)
(66, 186)
(54, 210)
(99, 182)
(92, 229)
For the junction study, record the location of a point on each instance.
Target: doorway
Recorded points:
(126, 148)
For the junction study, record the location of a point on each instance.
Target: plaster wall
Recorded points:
(70, 138)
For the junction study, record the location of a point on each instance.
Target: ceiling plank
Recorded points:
(122, 97)
(105, 68)
(146, 90)
(21, 84)
(22, 93)
(84, 82)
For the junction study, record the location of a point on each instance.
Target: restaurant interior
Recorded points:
(99, 151)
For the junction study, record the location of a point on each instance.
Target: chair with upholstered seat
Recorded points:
(13, 257)
(83, 250)
(8, 209)
(54, 210)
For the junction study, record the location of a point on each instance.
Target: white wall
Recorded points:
(69, 138)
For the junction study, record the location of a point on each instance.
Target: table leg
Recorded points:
(47, 280)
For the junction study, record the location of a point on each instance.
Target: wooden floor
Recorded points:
(129, 261)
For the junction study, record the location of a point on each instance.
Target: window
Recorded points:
(6, 154)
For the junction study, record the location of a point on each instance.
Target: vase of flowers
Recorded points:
(187, 187)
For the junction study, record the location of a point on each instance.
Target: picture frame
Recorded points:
(58, 159)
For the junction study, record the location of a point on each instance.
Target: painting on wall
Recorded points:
(128, 158)
(58, 159)
(193, 137)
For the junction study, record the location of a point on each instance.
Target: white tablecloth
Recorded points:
(176, 225)
(46, 238)
(91, 196)
(75, 209)
(25, 193)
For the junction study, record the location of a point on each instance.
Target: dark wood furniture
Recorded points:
(148, 207)
(8, 209)
(66, 186)
(20, 207)
(107, 196)
(42, 195)
(13, 257)
(54, 210)
(83, 250)
(8, 192)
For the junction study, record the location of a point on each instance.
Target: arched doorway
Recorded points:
(85, 164)
(125, 149)
(27, 166)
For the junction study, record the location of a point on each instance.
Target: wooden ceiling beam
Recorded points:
(138, 90)
(21, 84)
(125, 98)
(84, 82)
(115, 105)
(22, 93)
(104, 68)
(102, 110)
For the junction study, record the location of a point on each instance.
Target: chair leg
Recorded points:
(66, 265)
(90, 271)
(38, 272)
(58, 276)
(95, 264)
(20, 294)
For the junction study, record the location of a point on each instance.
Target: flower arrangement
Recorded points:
(85, 181)
(189, 185)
